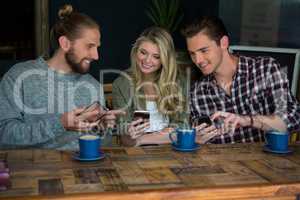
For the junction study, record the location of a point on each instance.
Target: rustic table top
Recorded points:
(47, 172)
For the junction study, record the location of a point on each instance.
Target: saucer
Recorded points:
(267, 149)
(76, 156)
(196, 147)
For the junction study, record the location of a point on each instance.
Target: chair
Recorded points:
(288, 59)
(294, 137)
(107, 88)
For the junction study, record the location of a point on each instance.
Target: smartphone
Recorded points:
(144, 114)
(91, 107)
(202, 119)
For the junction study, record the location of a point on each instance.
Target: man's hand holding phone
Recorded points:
(91, 112)
(204, 119)
(83, 119)
(205, 129)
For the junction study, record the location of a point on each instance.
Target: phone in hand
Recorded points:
(202, 119)
(91, 107)
(141, 114)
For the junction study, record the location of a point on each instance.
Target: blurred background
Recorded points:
(26, 24)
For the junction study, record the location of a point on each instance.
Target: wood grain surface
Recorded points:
(239, 171)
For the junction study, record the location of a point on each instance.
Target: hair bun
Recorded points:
(65, 11)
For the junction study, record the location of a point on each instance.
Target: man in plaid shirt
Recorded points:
(248, 95)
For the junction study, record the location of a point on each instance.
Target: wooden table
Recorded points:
(241, 171)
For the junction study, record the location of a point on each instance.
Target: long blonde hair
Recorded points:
(170, 98)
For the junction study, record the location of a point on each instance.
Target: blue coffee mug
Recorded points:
(185, 138)
(89, 146)
(277, 141)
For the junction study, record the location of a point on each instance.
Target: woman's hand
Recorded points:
(137, 128)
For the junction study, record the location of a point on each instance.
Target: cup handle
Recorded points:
(171, 136)
(266, 141)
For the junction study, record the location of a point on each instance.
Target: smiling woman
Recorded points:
(148, 59)
(152, 83)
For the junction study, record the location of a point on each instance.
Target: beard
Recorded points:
(75, 66)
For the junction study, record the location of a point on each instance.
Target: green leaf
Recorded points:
(178, 22)
(159, 11)
(173, 9)
(165, 13)
(172, 13)
(152, 17)
(164, 8)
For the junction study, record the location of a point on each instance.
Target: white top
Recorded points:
(157, 120)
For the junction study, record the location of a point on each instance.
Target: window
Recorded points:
(286, 57)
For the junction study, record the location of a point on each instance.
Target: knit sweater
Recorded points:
(32, 100)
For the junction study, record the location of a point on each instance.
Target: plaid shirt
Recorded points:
(258, 88)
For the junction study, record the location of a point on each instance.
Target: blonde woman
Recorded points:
(153, 84)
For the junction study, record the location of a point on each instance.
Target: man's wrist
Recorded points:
(248, 120)
(251, 120)
(258, 122)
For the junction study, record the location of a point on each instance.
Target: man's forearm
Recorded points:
(272, 122)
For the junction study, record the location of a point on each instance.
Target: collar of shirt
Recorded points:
(209, 81)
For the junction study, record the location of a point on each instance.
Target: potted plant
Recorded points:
(167, 14)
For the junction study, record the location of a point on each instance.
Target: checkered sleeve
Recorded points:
(286, 106)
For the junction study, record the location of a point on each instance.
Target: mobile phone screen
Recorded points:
(144, 114)
(91, 107)
(201, 120)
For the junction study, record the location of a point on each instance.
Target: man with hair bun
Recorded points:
(42, 101)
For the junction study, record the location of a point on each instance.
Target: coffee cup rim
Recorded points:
(186, 129)
(277, 133)
(96, 137)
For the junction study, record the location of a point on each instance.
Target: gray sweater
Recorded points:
(32, 99)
